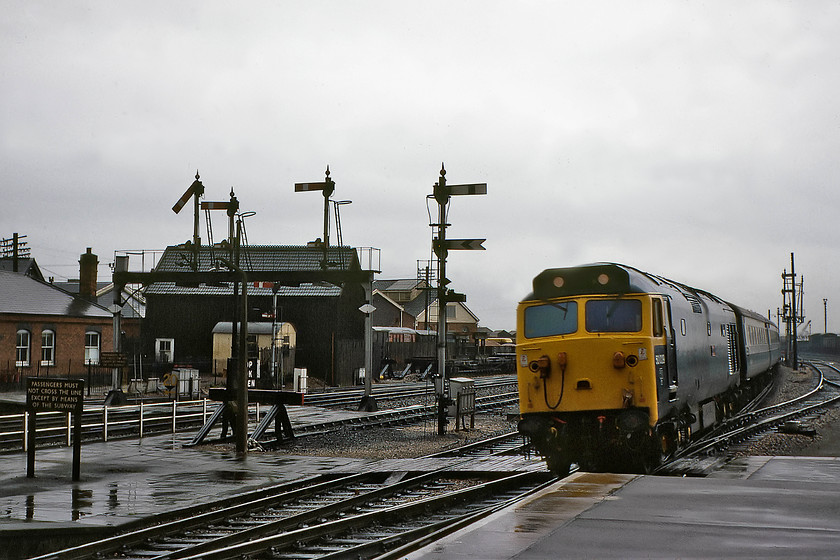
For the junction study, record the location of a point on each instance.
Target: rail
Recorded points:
(102, 423)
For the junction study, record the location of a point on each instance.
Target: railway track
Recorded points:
(365, 515)
(741, 429)
(101, 423)
(397, 417)
(351, 397)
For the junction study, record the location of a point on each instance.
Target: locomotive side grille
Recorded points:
(694, 301)
(731, 348)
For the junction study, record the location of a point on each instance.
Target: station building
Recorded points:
(46, 330)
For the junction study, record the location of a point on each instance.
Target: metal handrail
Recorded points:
(105, 420)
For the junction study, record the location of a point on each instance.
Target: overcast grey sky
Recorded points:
(694, 140)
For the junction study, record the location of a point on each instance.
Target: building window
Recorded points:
(23, 348)
(47, 348)
(92, 347)
(165, 350)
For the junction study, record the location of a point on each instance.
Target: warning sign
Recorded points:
(54, 394)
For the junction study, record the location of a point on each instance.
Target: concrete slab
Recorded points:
(790, 507)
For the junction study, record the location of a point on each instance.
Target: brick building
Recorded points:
(45, 330)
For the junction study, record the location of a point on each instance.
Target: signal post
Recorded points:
(442, 193)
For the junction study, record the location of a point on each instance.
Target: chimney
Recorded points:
(88, 264)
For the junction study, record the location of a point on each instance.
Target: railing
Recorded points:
(106, 422)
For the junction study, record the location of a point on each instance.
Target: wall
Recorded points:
(69, 342)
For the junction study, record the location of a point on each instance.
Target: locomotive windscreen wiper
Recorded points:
(564, 307)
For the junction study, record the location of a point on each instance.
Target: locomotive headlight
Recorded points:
(603, 279)
(559, 281)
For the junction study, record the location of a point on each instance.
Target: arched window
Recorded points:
(47, 347)
(92, 347)
(22, 352)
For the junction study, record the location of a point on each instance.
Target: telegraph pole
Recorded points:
(441, 193)
(825, 316)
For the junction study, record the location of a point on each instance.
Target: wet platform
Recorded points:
(761, 507)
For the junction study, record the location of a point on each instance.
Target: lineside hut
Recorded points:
(259, 344)
(329, 326)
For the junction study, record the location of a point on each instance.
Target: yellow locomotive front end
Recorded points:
(586, 370)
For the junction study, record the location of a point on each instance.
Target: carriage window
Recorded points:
(551, 319)
(614, 315)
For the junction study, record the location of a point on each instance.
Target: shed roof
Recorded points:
(400, 284)
(225, 289)
(20, 294)
(281, 258)
(226, 327)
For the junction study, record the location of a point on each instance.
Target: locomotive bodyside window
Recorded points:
(551, 319)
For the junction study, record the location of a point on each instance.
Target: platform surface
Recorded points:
(770, 507)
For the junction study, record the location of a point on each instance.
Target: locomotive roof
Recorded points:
(604, 278)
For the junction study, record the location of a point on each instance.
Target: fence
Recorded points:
(109, 422)
(98, 379)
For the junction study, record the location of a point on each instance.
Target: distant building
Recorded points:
(417, 303)
(329, 328)
(409, 303)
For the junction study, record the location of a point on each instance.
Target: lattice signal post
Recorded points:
(793, 314)
(441, 246)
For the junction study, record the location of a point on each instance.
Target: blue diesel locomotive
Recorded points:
(617, 368)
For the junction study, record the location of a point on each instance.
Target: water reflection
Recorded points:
(81, 502)
(113, 496)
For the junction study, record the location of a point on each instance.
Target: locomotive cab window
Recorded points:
(551, 319)
(658, 323)
(614, 315)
